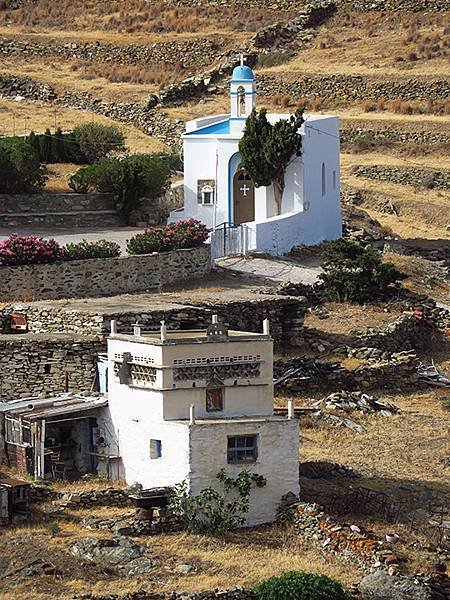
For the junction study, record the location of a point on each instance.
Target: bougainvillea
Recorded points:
(188, 233)
(29, 250)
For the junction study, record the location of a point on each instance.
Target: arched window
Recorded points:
(240, 101)
(207, 194)
(324, 186)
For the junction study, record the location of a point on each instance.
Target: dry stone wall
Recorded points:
(36, 366)
(405, 175)
(103, 277)
(383, 134)
(196, 52)
(67, 210)
(356, 87)
(286, 317)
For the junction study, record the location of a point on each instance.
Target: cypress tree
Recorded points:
(266, 150)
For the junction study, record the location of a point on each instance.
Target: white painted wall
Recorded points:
(277, 460)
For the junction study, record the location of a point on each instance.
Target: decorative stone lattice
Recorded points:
(140, 375)
(218, 372)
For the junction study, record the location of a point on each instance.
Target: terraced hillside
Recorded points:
(383, 67)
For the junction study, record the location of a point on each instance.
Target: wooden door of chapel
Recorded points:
(243, 198)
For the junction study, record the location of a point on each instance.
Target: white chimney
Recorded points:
(163, 331)
(136, 329)
(192, 414)
(215, 319)
(290, 409)
(266, 327)
(113, 325)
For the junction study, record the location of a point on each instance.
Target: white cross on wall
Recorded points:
(244, 189)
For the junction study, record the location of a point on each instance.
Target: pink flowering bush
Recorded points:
(188, 233)
(29, 250)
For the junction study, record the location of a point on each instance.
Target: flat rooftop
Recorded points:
(189, 336)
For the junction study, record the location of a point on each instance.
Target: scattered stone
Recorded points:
(381, 586)
(322, 469)
(106, 551)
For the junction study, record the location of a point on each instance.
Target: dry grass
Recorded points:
(160, 75)
(21, 117)
(367, 44)
(423, 277)
(346, 318)
(61, 76)
(137, 17)
(422, 213)
(242, 558)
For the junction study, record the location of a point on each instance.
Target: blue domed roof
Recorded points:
(242, 73)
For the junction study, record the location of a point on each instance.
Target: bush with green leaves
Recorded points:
(356, 274)
(187, 233)
(96, 140)
(297, 585)
(130, 180)
(20, 168)
(84, 249)
(216, 511)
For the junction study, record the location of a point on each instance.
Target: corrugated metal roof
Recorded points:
(11, 482)
(38, 408)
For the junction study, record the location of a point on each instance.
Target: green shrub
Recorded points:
(213, 510)
(356, 274)
(445, 403)
(20, 168)
(131, 179)
(296, 585)
(273, 59)
(187, 233)
(84, 249)
(96, 140)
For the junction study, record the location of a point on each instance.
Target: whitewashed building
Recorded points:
(185, 404)
(217, 191)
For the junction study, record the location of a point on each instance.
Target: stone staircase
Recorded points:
(58, 211)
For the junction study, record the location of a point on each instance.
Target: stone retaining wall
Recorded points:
(417, 177)
(196, 52)
(355, 87)
(65, 210)
(233, 594)
(383, 134)
(32, 366)
(103, 277)
(286, 317)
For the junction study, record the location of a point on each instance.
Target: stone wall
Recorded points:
(36, 366)
(351, 133)
(103, 277)
(415, 176)
(286, 317)
(356, 87)
(233, 594)
(195, 52)
(58, 210)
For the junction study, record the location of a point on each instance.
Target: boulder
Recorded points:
(381, 586)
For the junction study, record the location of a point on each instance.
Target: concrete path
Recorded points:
(65, 236)
(275, 270)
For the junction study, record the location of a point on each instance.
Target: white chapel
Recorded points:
(217, 191)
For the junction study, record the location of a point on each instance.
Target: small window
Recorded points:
(334, 180)
(242, 449)
(324, 191)
(214, 399)
(155, 449)
(207, 195)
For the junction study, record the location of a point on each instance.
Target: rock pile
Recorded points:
(349, 402)
(279, 35)
(382, 586)
(345, 541)
(117, 552)
(91, 498)
(127, 525)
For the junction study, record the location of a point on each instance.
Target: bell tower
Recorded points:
(242, 91)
